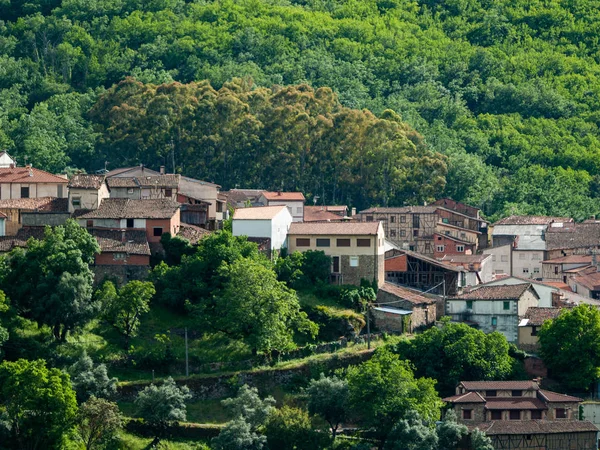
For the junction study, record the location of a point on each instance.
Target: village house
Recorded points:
(356, 249)
(125, 255)
(155, 217)
(586, 284)
(494, 308)
(243, 198)
(29, 182)
(531, 323)
(294, 201)
(560, 269)
(445, 244)
(570, 238)
(521, 415)
(478, 268)
(402, 310)
(146, 187)
(87, 192)
(20, 212)
(413, 227)
(325, 213)
(6, 161)
(271, 222)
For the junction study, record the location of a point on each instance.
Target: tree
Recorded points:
(255, 307)
(565, 339)
(238, 435)
(51, 282)
(316, 267)
(479, 440)
(37, 404)
(125, 308)
(88, 380)
(175, 248)
(328, 398)
(99, 421)
(161, 405)
(4, 307)
(410, 433)
(291, 429)
(450, 433)
(289, 269)
(383, 390)
(457, 352)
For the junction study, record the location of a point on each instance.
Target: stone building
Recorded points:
(531, 323)
(417, 310)
(87, 192)
(356, 249)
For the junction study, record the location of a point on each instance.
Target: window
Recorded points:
(460, 248)
(336, 264)
(392, 219)
(469, 304)
(402, 219)
(76, 202)
(343, 242)
(411, 248)
(536, 414)
(369, 218)
(323, 242)
(298, 210)
(493, 258)
(560, 413)
(89, 223)
(534, 331)
(403, 233)
(415, 233)
(59, 191)
(24, 192)
(444, 220)
(130, 223)
(535, 256)
(467, 414)
(447, 233)
(302, 242)
(555, 270)
(393, 233)
(494, 321)
(522, 256)
(503, 258)
(119, 256)
(439, 248)
(463, 235)
(496, 415)
(525, 269)
(427, 247)
(168, 192)
(416, 221)
(506, 306)
(439, 238)
(514, 415)
(536, 270)
(130, 191)
(158, 231)
(354, 261)
(363, 242)
(517, 393)
(490, 393)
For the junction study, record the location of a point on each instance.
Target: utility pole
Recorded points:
(368, 326)
(187, 363)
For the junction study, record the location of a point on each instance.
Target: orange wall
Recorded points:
(396, 264)
(168, 226)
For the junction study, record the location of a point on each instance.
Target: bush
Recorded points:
(291, 428)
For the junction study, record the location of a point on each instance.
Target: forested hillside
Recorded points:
(507, 91)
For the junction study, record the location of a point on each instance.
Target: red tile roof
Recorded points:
(133, 242)
(531, 220)
(335, 228)
(556, 397)
(500, 385)
(283, 196)
(502, 292)
(571, 259)
(506, 403)
(123, 208)
(590, 281)
(537, 316)
(503, 427)
(22, 175)
(84, 181)
(192, 233)
(469, 397)
(46, 204)
(320, 214)
(404, 294)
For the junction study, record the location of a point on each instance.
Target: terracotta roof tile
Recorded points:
(405, 294)
(133, 242)
(590, 281)
(502, 292)
(503, 427)
(84, 181)
(123, 182)
(22, 175)
(518, 385)
(572, 235)
(192, 233)
(571, 259)
(258, 212)
(335, 228)
(47, 204)
(468, 397)
(123, 208)
(283, 196)
(537, 316)
(531, 220)
(506, 403)
(556, 397)
(320, 214)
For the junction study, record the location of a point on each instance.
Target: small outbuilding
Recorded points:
(402, 310)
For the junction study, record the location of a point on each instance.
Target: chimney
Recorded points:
(279, 193)
(28, 167)
(353, 212)
(162, 170)
(12, 165)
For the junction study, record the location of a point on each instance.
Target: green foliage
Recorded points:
(37, 405)
(290, 428)
(124, 308)
(98, 423)
(457, 352)
(89, 380)
(248, 405)
(4, 307)
(289, 269)
(161, 405)
(565, 339)
(328, 398)
(450, 433)
(51, 282)
(479, 441)
(238, 435)
(384, 389)
(316, 267)
(410, 433)
(175, 248)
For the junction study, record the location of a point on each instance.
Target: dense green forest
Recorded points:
(507, 92)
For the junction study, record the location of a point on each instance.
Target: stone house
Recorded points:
(294, 201)
(559, 269)
(586, 284)
(145, 188)
(155, 217)
(530, 324)
(356, 249)
(87, 192)
(478, 267)
(271, 222)
(494, 308)
(21, 212)
(420, 310)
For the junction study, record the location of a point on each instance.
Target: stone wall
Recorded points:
(120, 274)
(38, 219)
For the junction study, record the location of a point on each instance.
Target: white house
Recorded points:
(272, 222)
(87, 192)
(293, 200)
(6, 161)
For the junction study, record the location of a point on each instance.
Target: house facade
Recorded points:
(560, 269)
(494, 308)
(87, 192)
(531, 323)
(420, 311)
(33, 212)
(271, 222)
(445, 244)
(357, 250)
(294, 201)
(29, 182)
(478, 268)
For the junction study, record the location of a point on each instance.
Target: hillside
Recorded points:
(507, 91)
